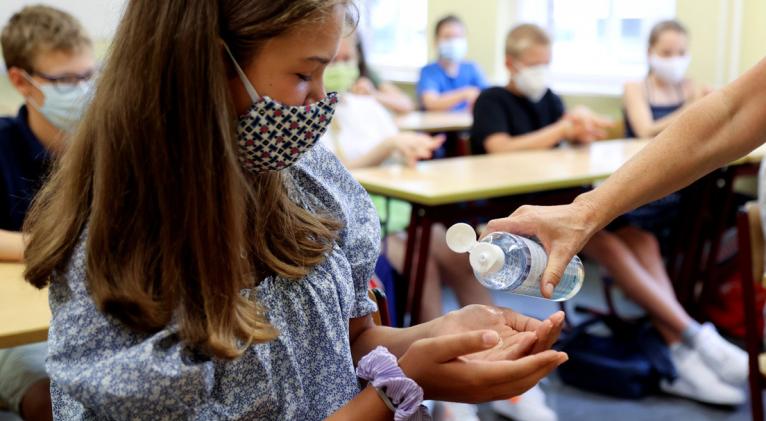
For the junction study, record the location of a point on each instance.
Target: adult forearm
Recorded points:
(716, 130)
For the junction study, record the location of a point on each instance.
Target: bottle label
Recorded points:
(537, 259)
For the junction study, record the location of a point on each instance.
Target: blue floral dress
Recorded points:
(102, 370)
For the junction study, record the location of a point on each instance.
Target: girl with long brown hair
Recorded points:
(205, 261)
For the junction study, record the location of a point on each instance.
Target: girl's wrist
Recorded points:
(399, 393)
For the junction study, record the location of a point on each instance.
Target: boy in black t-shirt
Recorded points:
(525, 114)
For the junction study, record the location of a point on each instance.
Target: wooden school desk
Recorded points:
(24, 311)
(442, 190)
(435, 122)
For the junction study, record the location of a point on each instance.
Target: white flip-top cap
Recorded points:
(461, 238)
(487, 258)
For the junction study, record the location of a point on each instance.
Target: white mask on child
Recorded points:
(670, 70)
(532, 81)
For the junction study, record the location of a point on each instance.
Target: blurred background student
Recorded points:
(363, 134)
(350, 67)
(50, 64)
(652, 103)
(451, 83)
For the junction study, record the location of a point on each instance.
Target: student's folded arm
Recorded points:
(712, 132)
(11, 246)
(100, 369)
(544, 138)
(433, 101)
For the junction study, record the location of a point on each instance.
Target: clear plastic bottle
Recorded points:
(512, 263)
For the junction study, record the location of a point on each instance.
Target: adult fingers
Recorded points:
(558, 259)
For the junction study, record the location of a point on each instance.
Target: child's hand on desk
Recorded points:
(415, 146)
(586, 126)
(441, 367)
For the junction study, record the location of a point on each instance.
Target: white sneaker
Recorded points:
(453, 411)
(726, 360)
(528, 407)
(697, 381)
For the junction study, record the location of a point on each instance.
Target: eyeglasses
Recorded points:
(67, 82)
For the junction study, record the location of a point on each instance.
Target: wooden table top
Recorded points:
(462, 179)
(434, 122)
(24, 310)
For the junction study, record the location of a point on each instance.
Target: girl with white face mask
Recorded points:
(652, 103)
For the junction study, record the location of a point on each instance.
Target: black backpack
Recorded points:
(628, 363)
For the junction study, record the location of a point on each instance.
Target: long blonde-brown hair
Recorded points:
(175, 228)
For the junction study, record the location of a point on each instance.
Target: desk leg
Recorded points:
(687, 276)
(403, 294)
(421, 264)
(724, 201)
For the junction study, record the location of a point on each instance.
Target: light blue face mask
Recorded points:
(453, 50)
(64, 104)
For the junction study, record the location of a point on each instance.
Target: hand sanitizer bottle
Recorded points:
(512, 263)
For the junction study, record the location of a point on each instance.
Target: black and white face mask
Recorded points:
(273, 136)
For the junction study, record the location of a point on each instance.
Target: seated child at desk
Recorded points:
(652, 103)
(50, 62)
(451, 83)
(350, 66)
(525, 114)
(363, 134)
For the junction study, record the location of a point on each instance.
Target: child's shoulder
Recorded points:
(634, 89)
(8, 129)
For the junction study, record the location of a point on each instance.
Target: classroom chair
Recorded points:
(751, 265)
(380, 317)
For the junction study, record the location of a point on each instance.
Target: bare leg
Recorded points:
(638, 283)
(456, 271)
(36, 403)
(646, 248)
(431, 307)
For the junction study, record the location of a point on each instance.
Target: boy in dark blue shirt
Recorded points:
(50, 63)
(451, 83)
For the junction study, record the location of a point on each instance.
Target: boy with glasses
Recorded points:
(50, 62)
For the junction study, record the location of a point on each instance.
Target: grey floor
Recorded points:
(574, 404)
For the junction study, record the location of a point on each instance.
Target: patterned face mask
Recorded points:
(273, 136)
